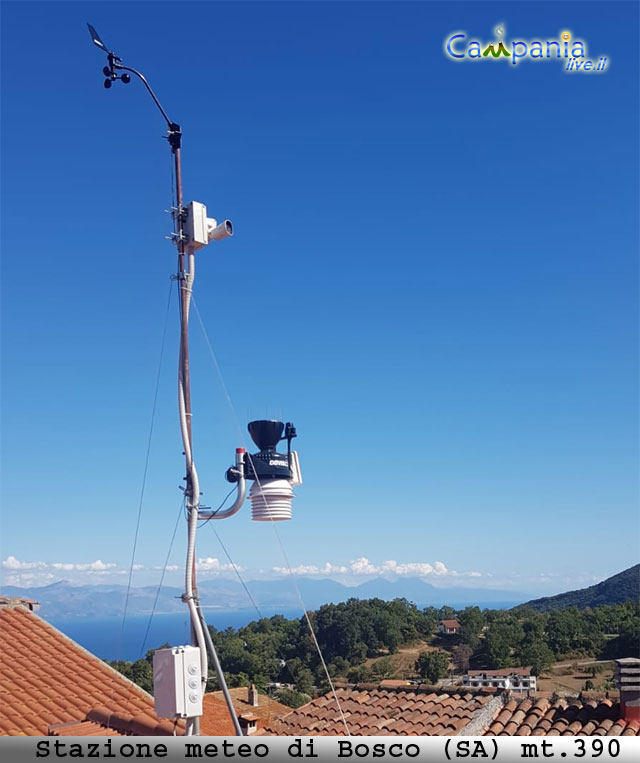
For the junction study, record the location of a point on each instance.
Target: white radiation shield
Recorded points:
(271, 500)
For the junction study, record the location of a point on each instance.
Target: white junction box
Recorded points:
(195, 226)
(177, 682)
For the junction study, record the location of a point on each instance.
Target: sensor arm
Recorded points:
(240, 495)
(148, 86)
(175, 133)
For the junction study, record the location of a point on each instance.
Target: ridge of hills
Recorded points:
(625, 586)
(62, 599)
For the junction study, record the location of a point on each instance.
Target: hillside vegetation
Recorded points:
(621, 588)
(371, 640)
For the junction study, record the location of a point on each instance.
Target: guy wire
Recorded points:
(291, 573)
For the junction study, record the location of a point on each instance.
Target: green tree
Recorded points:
(382, 668)
(430, 619)
(570, 632)
(461, 654)
(291, 698)
(432, 666)
(359, 675)
(501, 640)
(303, 680)
(538, 656)
(446, 613)
(472, 621)
(627, 643)
(142, 674)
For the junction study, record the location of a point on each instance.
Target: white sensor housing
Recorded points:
(177, 682)
(195, 227)
(198, 229)
(271, 500)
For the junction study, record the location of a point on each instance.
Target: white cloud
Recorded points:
(211, 564)
(363, 566)
(334, 569)
(97, 566)
(302, 569)
(11, 563)
(28, 579)
(420, 569)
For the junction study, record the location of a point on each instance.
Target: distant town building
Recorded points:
(448, 627)
(515, 679)
(9, 602)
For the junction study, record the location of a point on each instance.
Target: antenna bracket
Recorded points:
(175, 136)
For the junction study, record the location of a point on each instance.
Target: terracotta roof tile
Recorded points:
(48, 679)
(382, 710)
(562, 718)
(266, 710)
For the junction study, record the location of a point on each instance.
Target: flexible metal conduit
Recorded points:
(194, 498)
(203, 637)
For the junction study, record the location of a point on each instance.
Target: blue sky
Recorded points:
(434, 275)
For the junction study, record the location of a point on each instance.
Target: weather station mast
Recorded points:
(180, 673)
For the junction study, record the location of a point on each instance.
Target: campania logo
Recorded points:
(571, 51)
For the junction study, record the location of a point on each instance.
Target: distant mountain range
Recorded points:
(65, 600)
(62, 600)
(625, 586)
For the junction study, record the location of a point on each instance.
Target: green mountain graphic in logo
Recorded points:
(496, 53)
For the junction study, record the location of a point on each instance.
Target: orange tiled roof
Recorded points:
(267, 709)
(216, 721)
(450, 623)
(371, 710)
(83, 729)
(48, 679)
(102, 722)
(543, 717)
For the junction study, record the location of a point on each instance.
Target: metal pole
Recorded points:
(192, 491)
(192, 500)
(184, 326)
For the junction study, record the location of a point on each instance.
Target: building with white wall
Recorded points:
(515, 679)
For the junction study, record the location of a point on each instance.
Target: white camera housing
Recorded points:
(198, 229)
(217, 232)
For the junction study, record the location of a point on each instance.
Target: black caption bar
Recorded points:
(319, 749)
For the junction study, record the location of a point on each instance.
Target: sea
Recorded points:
(106, 638)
